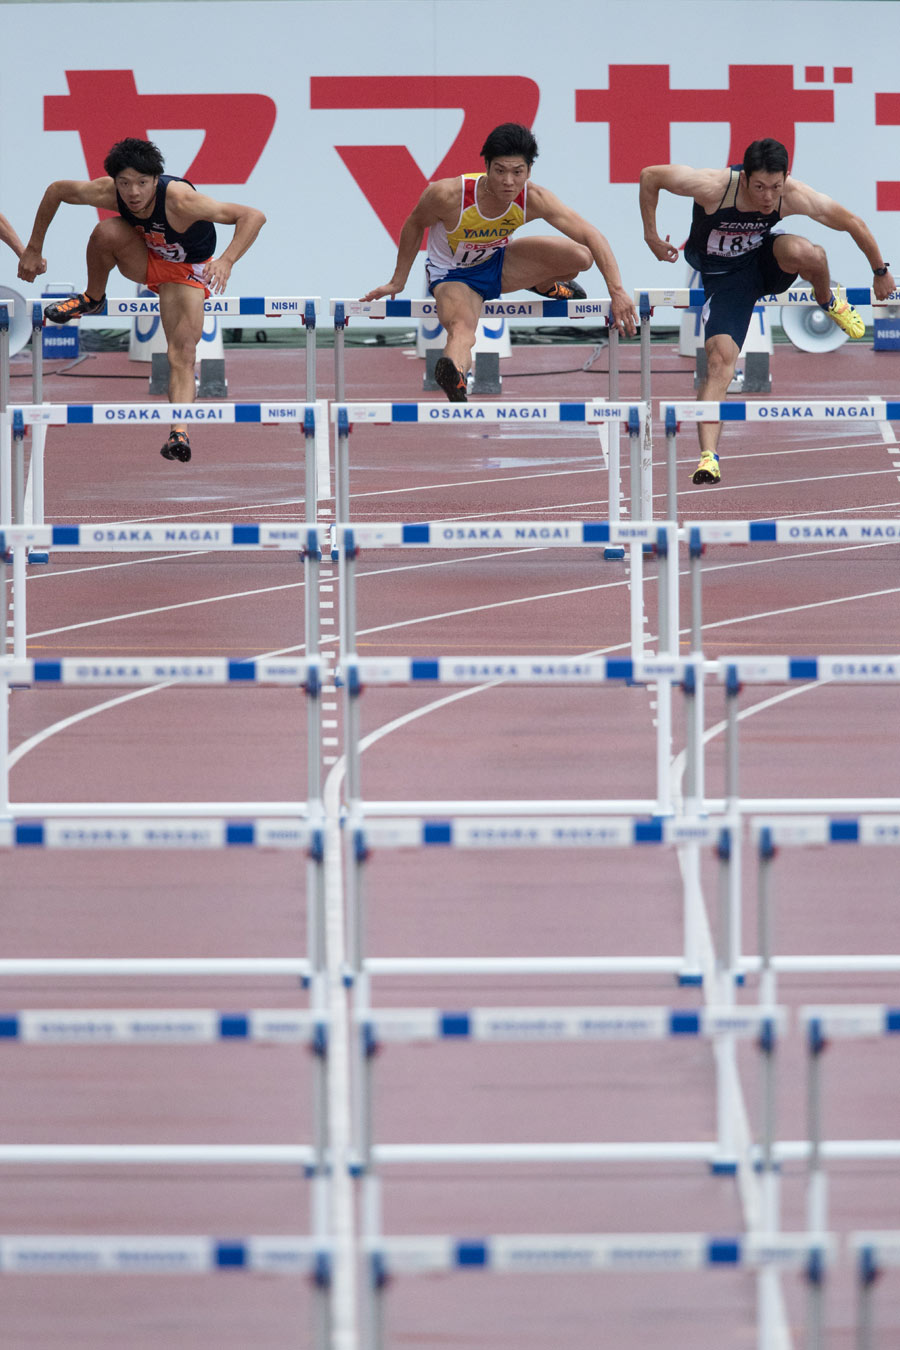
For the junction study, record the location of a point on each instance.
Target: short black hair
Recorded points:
(766, 155)
(143, 156)
(510, 138)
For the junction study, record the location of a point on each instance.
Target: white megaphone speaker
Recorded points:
(20, 324)
(810, 329)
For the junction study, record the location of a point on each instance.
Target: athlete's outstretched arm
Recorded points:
(544, 205)
(99, 192)
(800, 199)
(704, 185)
(183, 202)
(9, 236)
(432, 206)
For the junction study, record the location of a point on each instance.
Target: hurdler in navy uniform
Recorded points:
(734, 246)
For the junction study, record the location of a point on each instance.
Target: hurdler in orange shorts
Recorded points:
(163, 237)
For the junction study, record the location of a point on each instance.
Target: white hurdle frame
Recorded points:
(648, 298)
(242, 312)
(185, 537)
(540, 1025)
(569, 310)
(837, 410)
(17, 418)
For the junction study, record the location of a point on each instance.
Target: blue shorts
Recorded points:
(485, 278)
(731, 296)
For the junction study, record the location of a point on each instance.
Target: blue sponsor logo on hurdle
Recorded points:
(453, 413)
(522, 412)
(864, 670)
(471, 1254)
(817, 532)
(120, 536)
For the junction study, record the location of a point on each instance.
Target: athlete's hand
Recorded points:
(662, 249)
(216, 274)
(32, 265)
(621, 308)
(379, 293)
(882, 286)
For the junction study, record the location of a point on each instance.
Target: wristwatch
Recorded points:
(881, 271)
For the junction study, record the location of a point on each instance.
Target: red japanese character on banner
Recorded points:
(104, 106)
(640, 107)
(388, 176)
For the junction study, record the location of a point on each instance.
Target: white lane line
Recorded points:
(164, 609)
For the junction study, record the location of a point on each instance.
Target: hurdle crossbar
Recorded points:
(589, 1024)
(160, 833)
(168, 1026)
(163, 1255)
(593, 1253)
(538, 831)
(90, 967)
(803, 297)
(214, 670)
(165, 1155)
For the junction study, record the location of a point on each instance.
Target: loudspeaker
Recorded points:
(20, 324)
(810, 329)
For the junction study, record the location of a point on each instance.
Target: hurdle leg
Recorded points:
(4, 709)
(309, 322)
(867, 1273)
(767, 990)
(613, 353)
(5, 469)
(19, 629)
(4, 358)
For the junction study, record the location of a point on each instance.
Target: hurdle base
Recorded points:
(613, 552)
(212, 382)
(487, 373)
(723, 1168)
(689, 978)
(756, 377)
(38, 556)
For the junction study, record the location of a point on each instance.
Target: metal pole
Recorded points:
(671, 465)
(6, 467)
(816, 1199)
(767, 1284)
(645, 313)
(636, 587)
(309, 321)
(732, 690)
(764, 918)
(5, 308)
(663, 683)
(699, 759)
(19, 561)
(867, 1274)
(4, 712)
(613, 350)
(37, 353)
(340, 324)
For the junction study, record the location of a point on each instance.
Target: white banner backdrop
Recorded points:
(330, 115)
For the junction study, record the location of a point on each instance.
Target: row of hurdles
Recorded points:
(595, 825)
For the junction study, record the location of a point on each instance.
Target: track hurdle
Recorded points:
(880, 829)
(822, 1025)
(16, 541)
(680, 297)
(556, 310)
(537, 1025)
(19, 417)
(525, 412)
(166, 671)
(602, 1253)
(768, 411)
(241, 311)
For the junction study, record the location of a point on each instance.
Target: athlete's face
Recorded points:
(137, 190)
(765, 189)
(507, 176)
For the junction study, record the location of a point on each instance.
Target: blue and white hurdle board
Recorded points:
(161, 1255)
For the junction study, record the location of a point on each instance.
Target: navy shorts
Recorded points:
(731, 296)
(486, 278)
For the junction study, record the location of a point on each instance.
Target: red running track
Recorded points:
(505, 742)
